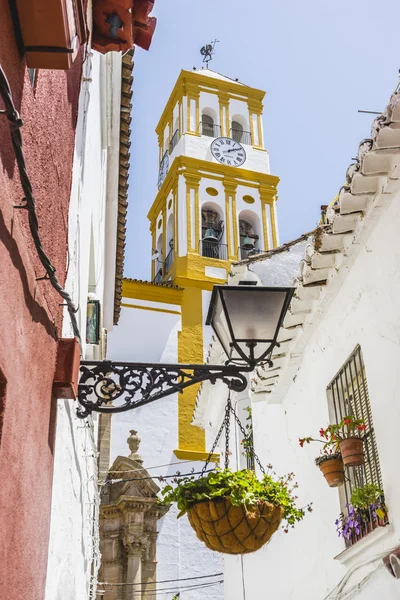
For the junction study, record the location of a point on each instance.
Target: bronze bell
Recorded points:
(210, 236)
(248, 244)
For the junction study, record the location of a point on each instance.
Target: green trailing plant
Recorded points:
(242, 488)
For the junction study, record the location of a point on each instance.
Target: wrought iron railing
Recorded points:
(173, 142)
(214, 250)
(209, 129)
(245, 253)
(243, 137)
(159, 276)
(168, 261)
(365, 521)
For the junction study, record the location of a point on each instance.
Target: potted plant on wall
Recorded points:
(344, 438)
(235, 512)
(366, 511)
(332, 467)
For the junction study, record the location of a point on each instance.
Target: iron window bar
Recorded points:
(240, 136)
(213, 250)
(349, 393)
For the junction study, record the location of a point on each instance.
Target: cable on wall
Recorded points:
(16, 123)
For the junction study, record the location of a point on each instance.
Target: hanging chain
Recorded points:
(226, 425)
(251, 447)
(209, 457)
(228, 410)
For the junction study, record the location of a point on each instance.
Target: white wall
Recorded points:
(149, 336)
(365, 311)
(73, 546)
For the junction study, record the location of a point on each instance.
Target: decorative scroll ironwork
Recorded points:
(112, 387)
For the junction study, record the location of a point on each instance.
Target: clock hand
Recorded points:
(234, 149)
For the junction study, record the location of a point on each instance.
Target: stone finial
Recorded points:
(134, 443)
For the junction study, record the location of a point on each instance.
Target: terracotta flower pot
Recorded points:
(234, 529)
(333, 471)
(352, 451)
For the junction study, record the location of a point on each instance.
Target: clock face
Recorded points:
(164, 165)
(228, 152)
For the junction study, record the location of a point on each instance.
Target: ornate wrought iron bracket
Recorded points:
(113, 387)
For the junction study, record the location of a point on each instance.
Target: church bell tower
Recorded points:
(215, 205)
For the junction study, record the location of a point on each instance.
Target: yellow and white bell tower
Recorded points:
(215, 205)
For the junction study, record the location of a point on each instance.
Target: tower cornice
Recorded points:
(190, 167)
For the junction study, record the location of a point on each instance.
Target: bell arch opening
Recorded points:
(213, 232)
(249, 233)
(208, 123)
(240, 130)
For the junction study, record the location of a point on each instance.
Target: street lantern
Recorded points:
(246, 320)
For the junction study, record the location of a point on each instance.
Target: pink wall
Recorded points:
(30, 315)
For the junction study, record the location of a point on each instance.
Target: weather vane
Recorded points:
(207, 52)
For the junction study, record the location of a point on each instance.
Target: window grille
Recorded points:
(348, 393)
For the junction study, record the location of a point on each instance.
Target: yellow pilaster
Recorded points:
(193, 94)
(153, 246)
(176, 222)
(190, 350)
(223, 98)
(260, 132)
(231, 218)
(221, 119)
(189, 127)
(255, 108)
(267, 196)
(274, 225)
(164, 232)
(192, 183)
(180, 124)
(265, 227)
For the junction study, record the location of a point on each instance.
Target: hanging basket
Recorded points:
(352, 451)
(234, 529)
(333, 471)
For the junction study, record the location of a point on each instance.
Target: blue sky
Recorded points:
(319, 63)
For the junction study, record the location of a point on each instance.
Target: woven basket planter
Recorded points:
(234, 529)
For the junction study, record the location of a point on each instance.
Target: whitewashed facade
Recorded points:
(347, 290)
(74, 544)
(180, 554)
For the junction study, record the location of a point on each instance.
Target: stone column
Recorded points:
(134, 575)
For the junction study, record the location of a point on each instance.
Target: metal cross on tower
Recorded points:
(207, 51)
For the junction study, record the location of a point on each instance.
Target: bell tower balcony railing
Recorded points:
(248, 252)
(159, 276)
(213, 250)
(173, 142)
(240, 136)
(168, 261)
(210, 130)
